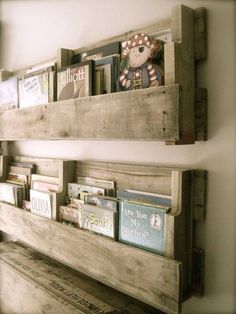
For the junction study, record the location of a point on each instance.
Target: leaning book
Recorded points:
(9, 94)
(76, 81)
(143, 226)
(34, 90)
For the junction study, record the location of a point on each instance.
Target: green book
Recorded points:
(143, 225)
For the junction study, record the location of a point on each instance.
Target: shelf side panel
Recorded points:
(148, 277)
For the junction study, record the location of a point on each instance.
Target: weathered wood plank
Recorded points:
(71, 286)
(120, 266)
(150, 114)
(201, 114)
(179, 68)
(143, 177)
(200, 34)
(199, 194)
(19, 294)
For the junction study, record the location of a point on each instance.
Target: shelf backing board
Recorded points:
(173, 113)
(120, 266)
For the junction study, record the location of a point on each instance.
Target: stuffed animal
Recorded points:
(137, 69)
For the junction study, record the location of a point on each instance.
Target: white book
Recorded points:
(41, 203)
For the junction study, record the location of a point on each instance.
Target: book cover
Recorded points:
(98, 53)
(70, 214)
(142, 226)
(110, 65)
(99, 219)
(76, 81)
(144, 197)
(75, 190)
(9, 94)
(11, 193)
(103, 201)
(41, 203)
(34, 90)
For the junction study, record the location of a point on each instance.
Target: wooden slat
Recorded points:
(19, 294)
(200, 34)
(199, 194)
(65, 283)
(150, 114)
(200, 114)
(179, 68)
(123, 267)
(143, 177)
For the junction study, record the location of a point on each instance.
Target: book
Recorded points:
(99, 81)
(143, 226)
(98, 53)
(44, 183)
(51, 69)
(9, 94)
(34, 90)
(11, 193)
(110, 65)
(70, 214)
(41, 204)
(75, 190)
(99, 219)
(102, 201)
(75, 81)
(144, 197)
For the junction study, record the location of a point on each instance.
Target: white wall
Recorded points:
(31, 33)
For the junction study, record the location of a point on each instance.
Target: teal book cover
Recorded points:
(143, 226)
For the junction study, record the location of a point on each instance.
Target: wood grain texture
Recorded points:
(150, 114)
(151, 278)
(199, 194)
(20, 294)
(60, 280)
(200, 34)
(201, 114)
(179, 68)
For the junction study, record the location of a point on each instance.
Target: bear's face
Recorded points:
(138, 56)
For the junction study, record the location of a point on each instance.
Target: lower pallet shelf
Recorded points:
(148, 277)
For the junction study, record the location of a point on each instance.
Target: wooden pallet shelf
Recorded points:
(173, 113)
(121, 266)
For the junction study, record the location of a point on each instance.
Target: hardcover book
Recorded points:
(41, 204)
(9, 94)
(75, 190)
(103, 201)
(76, 81)
(70, 214)
(98, 53)
(143, 226)
(34, 90)
(110, 65)
(99, 219)
(11, 193)
(144, 197)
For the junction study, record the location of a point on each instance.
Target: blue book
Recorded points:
(143, 225)
(144, 197)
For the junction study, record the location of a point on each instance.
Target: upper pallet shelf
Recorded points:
(174, 113)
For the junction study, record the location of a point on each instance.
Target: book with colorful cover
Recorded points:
(143, 225)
